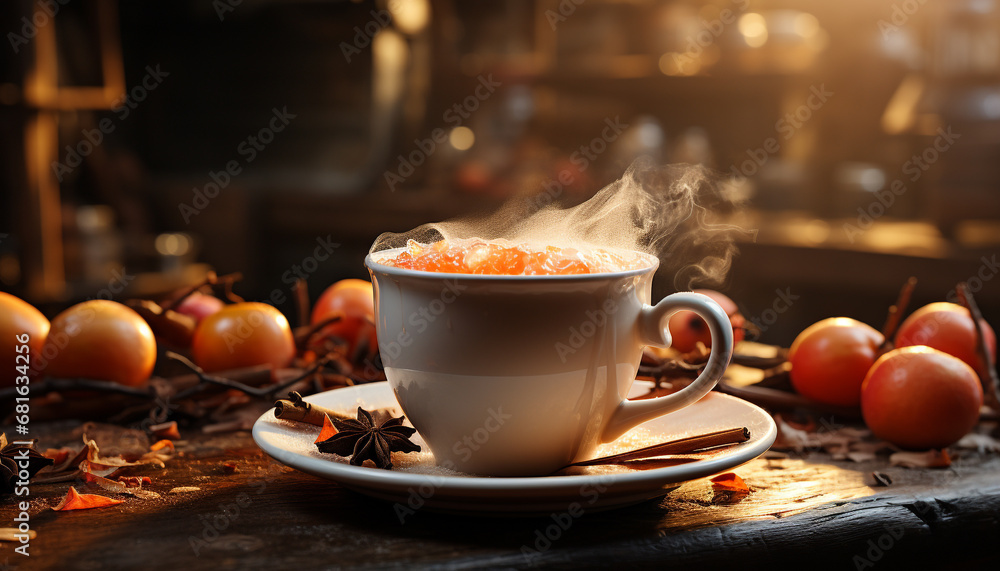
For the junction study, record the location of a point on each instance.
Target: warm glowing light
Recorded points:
(815, 232)
(462, 138)
(390, 55)
(673, 63)
(173, 244)
(410, 16)
(754, 29)
(901, 111)
(806, 25)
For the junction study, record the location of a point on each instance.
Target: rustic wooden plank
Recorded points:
(801, 509)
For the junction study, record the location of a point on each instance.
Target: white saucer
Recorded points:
(592, 488)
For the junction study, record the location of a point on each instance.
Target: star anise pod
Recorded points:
(365, 439)
(11, 455)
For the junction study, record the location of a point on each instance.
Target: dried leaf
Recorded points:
(88, 467)
(71, 462)
(729, 482)
(119, 487)
(77, 501)
(860, 456)
(839, 451)
(57, 456)
(104, 483)
(161, 445)
(134, 481)
(838, 441)
(116, 441)
(791, 437)
(157, 457)
(981, 443)
(95, 458)
(328, 430)
(928, 459)
(166, 430)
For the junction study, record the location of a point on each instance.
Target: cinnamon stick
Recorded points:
(682, 446)
(295, 409)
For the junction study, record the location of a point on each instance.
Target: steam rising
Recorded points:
(673, 212)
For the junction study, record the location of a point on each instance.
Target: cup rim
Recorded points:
(376, 266)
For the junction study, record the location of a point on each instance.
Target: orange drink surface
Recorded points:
(499, 257)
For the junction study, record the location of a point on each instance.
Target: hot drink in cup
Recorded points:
(515, 359)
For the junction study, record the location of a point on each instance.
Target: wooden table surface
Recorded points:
(804, 510)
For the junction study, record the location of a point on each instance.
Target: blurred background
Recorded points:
(146, 142)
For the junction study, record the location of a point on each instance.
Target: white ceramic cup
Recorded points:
(522, 375)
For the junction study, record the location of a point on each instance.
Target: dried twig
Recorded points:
(774, 399)
(304, 335)
(53, 384)
(210, 280)
(672, 369)
(265, 391)
(988, 376)
(895, 315)
(755, 362)
(301, 291)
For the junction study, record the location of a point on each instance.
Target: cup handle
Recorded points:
(653, 331)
